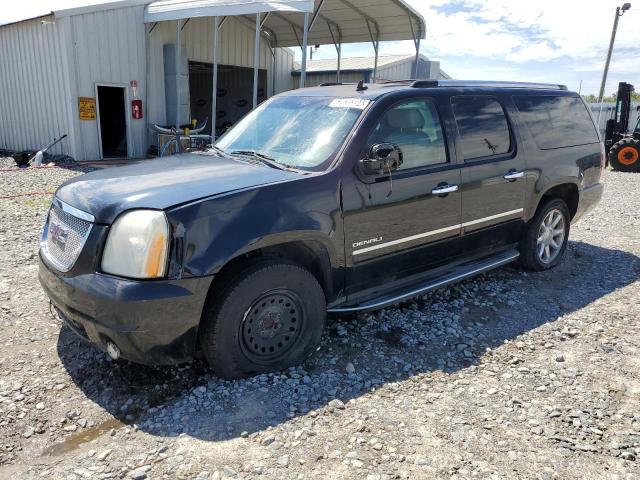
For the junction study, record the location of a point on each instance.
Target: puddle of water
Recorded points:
(74, 441)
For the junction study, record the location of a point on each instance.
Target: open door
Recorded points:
(113, 121)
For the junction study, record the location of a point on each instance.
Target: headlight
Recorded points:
(137, 245)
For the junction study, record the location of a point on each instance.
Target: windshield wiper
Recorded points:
(218, 150)
(262, 157)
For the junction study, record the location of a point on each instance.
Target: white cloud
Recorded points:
(544, 29)
(546, 40)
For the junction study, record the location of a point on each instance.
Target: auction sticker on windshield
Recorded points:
(359, 103)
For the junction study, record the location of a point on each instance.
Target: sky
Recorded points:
(555, 41)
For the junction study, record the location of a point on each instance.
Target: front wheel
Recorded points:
(546, 236)
(268, 317)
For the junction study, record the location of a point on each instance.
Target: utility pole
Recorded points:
(619, 12)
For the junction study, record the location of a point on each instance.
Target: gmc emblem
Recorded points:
(59, 234)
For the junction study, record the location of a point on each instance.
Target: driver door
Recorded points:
(408, 221)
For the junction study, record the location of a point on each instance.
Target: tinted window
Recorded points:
(415, 127)
(483, 126)
(556, 121)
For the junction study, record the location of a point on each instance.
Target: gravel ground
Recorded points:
(508, 375)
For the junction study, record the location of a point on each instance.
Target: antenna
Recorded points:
(361, 86)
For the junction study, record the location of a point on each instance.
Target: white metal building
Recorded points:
(104, 73)
(354, 69)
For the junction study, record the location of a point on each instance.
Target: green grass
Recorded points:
(43, 201)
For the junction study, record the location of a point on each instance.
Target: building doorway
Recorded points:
(112, 108)
(235, 93)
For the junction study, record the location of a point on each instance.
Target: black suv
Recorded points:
(336, 199)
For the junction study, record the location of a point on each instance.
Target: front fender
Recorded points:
(216, 230)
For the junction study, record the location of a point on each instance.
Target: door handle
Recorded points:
(444, 189)
(513, 175)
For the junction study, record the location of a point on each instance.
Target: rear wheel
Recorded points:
(625, 155)
(269, 317)
(545, 239)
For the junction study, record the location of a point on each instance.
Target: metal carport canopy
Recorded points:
(164, 10)
(331, 22)
(288, 23)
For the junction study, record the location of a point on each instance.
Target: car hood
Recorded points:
(163, 183)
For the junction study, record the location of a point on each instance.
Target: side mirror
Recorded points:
(383, 158)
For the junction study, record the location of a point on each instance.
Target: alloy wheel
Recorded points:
(551, 234)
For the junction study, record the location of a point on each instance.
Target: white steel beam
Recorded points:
(214, 93)
(305, 37)
(315, 15)
(178, 66)
(338, 44)
(256, 61)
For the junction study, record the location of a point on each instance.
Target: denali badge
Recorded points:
(366, 242)
(59, 234)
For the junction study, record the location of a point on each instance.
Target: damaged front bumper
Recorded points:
(151, 322)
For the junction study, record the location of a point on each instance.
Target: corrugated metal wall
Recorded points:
(108, 47)
(398, 71)
(235, 48)
(314, 80)
(46, 66)
(284, 66)
(34, 106)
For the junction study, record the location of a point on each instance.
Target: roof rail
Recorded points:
(335, 84)
(485, 84)
(408, 81)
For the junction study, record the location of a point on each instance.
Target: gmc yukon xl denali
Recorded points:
(322, 200)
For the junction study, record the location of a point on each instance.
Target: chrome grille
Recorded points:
(63, 237)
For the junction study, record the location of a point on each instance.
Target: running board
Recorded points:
(460, 272)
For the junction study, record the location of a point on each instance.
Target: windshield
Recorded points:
(299, 132)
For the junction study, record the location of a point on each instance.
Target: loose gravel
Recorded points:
(508, 375)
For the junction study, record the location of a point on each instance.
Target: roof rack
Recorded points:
(335, 84)
(485, 84)
(391, 82)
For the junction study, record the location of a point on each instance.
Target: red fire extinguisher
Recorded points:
(136, 109)
(136, 103)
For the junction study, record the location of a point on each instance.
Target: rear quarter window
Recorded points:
(482, 125)
(556, 121)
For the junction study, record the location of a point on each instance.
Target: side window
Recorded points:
(556, 121)
(415, 127)
(482, 125)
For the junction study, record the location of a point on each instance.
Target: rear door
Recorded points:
(493, 174)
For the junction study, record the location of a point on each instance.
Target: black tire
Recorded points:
(624, 156)
(530, 257)
(268, 317)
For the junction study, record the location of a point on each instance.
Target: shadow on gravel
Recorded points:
(444, 331)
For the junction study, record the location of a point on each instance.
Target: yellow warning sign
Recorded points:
(87, 108)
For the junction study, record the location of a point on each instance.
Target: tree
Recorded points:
(635, 97)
